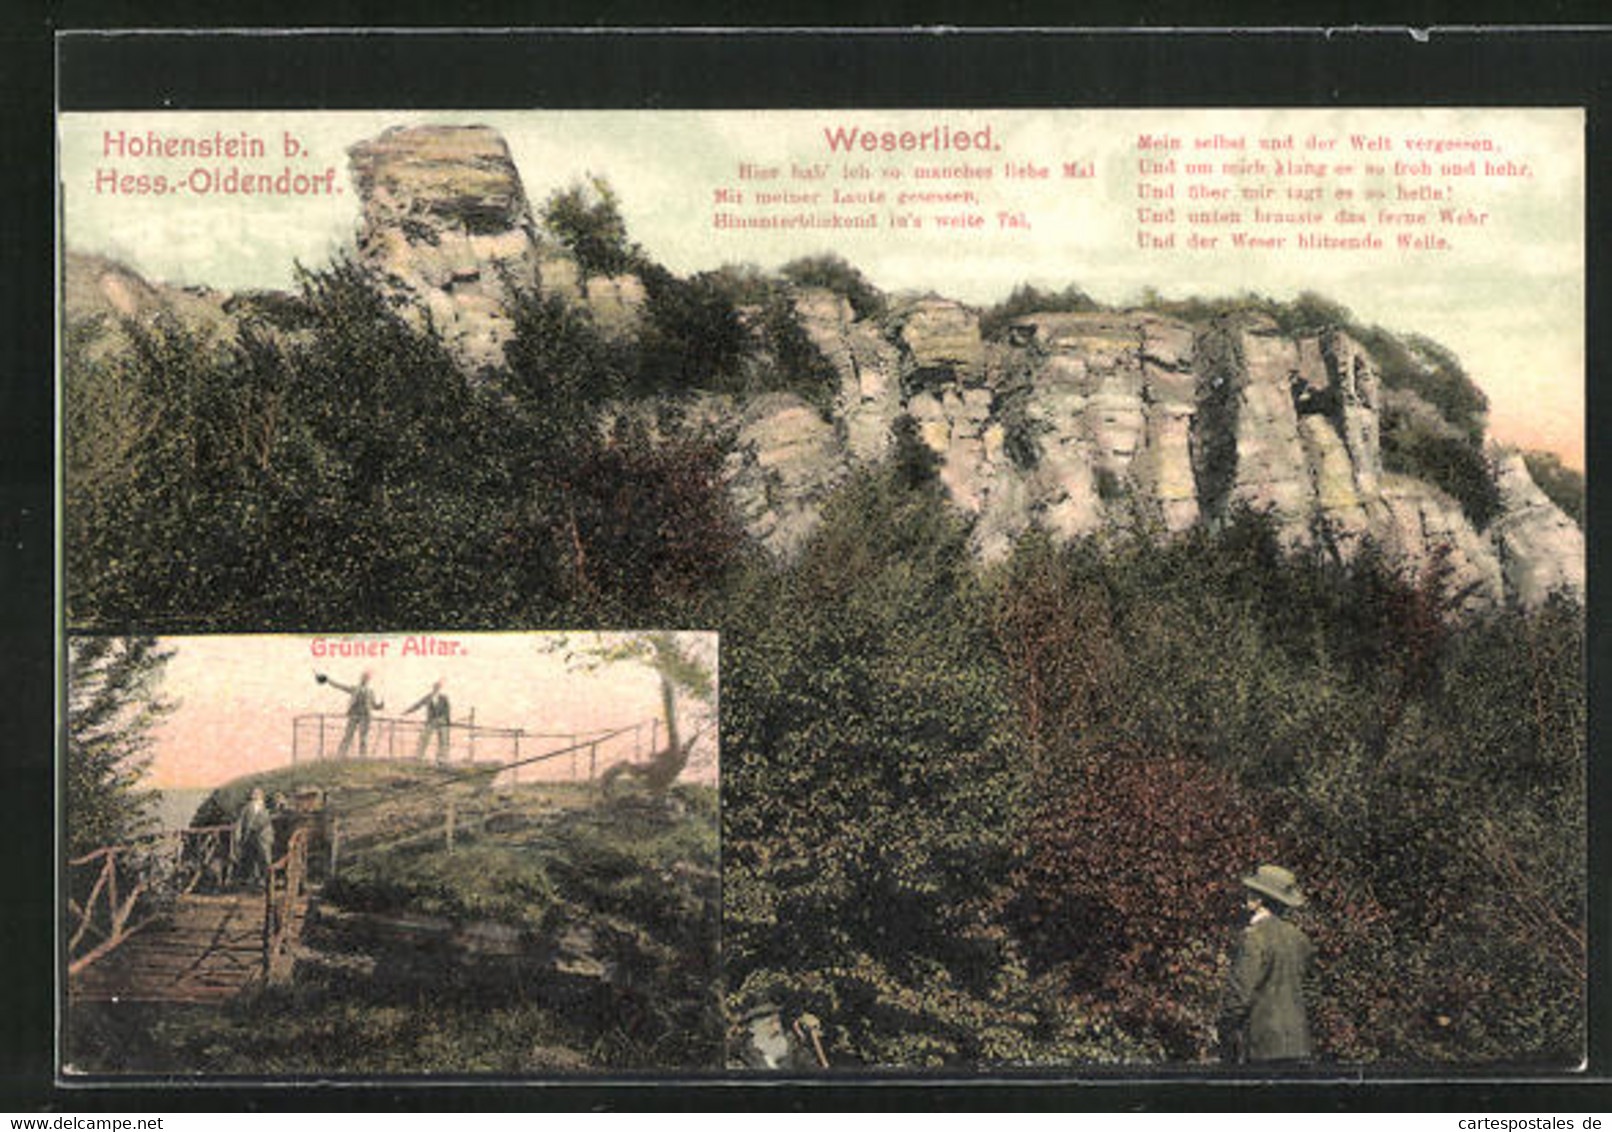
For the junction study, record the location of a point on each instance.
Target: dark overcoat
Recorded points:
(1265, 1013)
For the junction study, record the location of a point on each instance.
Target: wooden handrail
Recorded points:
(163, 835)
(283, 883)
(120, 909)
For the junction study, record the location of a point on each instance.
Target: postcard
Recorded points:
(1146, 547)
(469, 853)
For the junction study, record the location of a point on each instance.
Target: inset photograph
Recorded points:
(463, 854)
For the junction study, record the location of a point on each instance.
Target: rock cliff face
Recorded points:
(1073, 421)
(1079, 421)
(448, 231)
(100, 289)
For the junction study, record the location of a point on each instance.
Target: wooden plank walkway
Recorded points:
(208, 950)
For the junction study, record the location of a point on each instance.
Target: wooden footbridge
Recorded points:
(149, 931)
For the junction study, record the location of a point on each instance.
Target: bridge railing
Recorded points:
(127, 877)
(320, 735)
(283, 891)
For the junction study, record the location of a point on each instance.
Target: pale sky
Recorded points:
(1508, 297)
(239, 695)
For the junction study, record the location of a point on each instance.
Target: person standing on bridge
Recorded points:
(252, 847)
(361, 702)
(437, 721)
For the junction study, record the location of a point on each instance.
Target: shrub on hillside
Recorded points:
(1027, 298)
(833, 272)
(872, 779)
(1423, 774)
(586, 218)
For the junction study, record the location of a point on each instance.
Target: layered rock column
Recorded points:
(1541, 549)
(447, 231)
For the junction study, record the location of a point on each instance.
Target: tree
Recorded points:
(113, 706)
(1027, 299)
(683, 659)
(872, 773)
(685, 662)
(1564, 486)
(586, 218)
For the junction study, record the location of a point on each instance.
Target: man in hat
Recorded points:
(437, 720)
(361, 701)
(1263, 1017)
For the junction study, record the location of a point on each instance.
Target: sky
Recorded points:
(1507, 296)
(238, 697)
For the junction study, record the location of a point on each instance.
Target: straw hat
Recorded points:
(1277, 883)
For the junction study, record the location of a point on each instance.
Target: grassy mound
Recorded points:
(627, 890)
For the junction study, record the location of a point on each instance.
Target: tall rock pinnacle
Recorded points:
(447, 231)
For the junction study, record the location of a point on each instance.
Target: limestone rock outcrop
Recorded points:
(1541, 549)
(785, 460)
(1079, 421)
(448, 232)
(101, 290)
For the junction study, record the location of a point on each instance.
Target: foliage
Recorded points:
(647, 525)
(336, 1022)
(871, 783)
(640, 882)
(680, 658)
(912, 462)
(352, 474)
(692, 337)
(1562, 485)
(1416, 441)
(1311, 313)
(1432, 372)
(798, 366)
(1129, 884)
(1219, 702)
(559, 369)
(833, 272)
(733, 330)
(1198, 310)
(586, 218)
(1027, 298)
(114, 702)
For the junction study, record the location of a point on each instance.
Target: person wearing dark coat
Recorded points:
(438, 718)
(1264, 1016)
(360, 703)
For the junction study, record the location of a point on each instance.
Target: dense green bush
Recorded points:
(692, 337)
(353, 475)
(1427, 788)
(586, 218)
(1417, 441)
(873, 784)
(114, 703)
